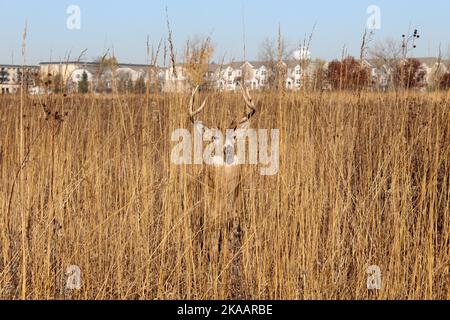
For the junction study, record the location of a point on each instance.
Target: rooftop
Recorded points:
(85, 63)
(17, 66)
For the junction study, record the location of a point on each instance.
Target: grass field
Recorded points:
(87, 181)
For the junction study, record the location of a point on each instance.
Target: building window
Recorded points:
(263, 72)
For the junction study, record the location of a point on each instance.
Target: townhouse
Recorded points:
(256, 75)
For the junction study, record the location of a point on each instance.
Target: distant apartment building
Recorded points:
(11, 77)
(256, 75)
(259, 75)
(382, 72)
(175, 79)
(434, 69)
(99, 75)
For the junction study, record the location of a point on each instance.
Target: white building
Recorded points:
(382, 73)
(175, 79)
(100, 77)
(255, 74)
(11, 77)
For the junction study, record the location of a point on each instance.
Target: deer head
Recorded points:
(228, 144)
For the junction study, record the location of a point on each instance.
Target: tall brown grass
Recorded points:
(364, 180)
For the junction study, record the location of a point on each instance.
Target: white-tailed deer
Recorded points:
(224, 177)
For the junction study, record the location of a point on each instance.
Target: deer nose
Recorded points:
(229, 154)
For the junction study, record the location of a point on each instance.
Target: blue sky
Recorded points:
(125, 25)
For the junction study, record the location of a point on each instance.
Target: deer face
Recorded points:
(224, 141)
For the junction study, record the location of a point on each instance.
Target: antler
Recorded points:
(250, 106)
(193, 113)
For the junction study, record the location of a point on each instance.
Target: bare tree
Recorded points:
(386, 52)
(385, 55)
(365, 40)
(270, 51)
(198, 53)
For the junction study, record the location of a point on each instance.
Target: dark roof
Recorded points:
(95, 63)
(239, 64)
(16, 66)
(429, 61)
(259, 64)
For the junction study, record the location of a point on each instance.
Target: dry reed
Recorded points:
(364, 180)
